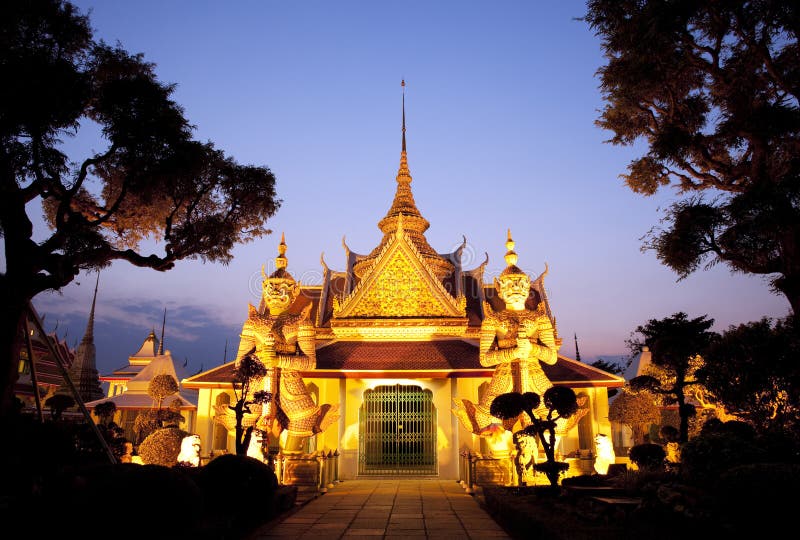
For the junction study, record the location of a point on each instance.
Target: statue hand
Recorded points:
(524, 348)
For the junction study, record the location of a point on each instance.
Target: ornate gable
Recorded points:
(400, 284)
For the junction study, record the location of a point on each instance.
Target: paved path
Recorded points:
(392, 508)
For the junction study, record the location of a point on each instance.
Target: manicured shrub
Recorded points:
(648, 455)
(748, 499)
(706, 457)
(162, 447)
(240, 493)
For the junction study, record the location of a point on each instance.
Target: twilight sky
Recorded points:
(501, 100)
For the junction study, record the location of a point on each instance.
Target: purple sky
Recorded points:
(501, 100)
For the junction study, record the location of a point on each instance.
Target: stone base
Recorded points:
(493, 472)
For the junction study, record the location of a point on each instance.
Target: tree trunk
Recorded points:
(13, 310)
(789, 285)
(17, 284)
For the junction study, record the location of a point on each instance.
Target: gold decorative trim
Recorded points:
(447, 306)
(398, 329)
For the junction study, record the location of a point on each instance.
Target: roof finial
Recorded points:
(403, 85)
(163, 325)
(511, 260)
(89, 335)
(577, 351)
(404, 175)
(511, 255)
(281, 261)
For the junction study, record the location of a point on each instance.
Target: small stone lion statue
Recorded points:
(190, 451)
(605, 453)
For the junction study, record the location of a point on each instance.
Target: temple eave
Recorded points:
(397, 374)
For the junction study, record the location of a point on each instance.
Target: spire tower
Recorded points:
(89, 335)
(83, 370)
(414, 225)
(163, 326)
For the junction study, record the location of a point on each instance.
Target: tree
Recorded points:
(560, 402)
(105, 411)
(713, 88)
(161, 386)
(609, 366)
(248, 373)
(676, 344)
(58, 403)
(637, 410)
(150, 180)
(752, 369)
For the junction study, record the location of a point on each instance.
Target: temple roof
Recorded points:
(451, 354)
(136, 395)
(433, 359)
(150, 350)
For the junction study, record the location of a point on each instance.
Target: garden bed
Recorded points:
(561, 514)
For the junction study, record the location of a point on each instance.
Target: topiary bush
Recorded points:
(169, 503)
(707, 456)
(648, 456)
(240, 494)
(748, 499)
(162, 447)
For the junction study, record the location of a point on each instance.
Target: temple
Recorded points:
(402, 354)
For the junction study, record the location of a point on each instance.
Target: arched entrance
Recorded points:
(397, 431)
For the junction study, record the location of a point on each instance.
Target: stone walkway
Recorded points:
(387, 508)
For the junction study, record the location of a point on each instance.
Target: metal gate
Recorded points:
(397, 428)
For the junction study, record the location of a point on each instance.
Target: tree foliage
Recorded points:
(149, 180)
(675, 343)
(161, 386)
(609, 366)
(561, 403)
(637, 410)
(105, 411)
(162, 446)
(58, 403)
(248, 373)
(648, 456)
(713, 89)
(753, 370)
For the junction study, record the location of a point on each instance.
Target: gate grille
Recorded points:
(397, 428)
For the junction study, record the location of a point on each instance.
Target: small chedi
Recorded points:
(283, 340)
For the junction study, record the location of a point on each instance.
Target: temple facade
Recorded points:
(392, 361)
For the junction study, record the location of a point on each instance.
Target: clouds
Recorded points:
(193, 332)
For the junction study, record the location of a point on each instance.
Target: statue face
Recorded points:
(278, 296)
(514, 290)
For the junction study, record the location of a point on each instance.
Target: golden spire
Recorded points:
(403, 150)
(403, 202)
(414, 225)
(403, 174)
(281, 261)
(511, 258)
(511, 255)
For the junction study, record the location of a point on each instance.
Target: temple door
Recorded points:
(397, 428)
